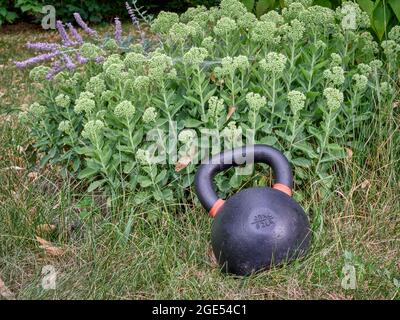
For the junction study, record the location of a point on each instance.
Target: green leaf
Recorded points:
(269, 140)
(306, 148)
(168, 195)
(125, 149)
(44, 160)
(11, 16)
(312, 94)
(263, 6)
(192, 123)
(323, 3)
(316, 133)
(210, 94)
(380, 19)
(161, 176)
(235, 181)
(95, 184)
(367, 6)
(137, 138)
(249, 4)
(3, 11)
(76, 164)
(302, 162)
(192, 99)
(87, 172)
(128, 167)
(395, 5)
(84, 150)
(144, 181)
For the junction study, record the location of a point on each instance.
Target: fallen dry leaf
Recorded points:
(32, 175)
(231, 111)
(212, 258)
(349, 153)
(50, 248)
(45, 228)
(14, 168)
(20, 149)
(212, 77)
(5, 292)
(365, 184)
(182, 163)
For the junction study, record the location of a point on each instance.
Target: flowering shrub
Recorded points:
(300, 80)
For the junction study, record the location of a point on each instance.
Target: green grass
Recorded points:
(147, 252)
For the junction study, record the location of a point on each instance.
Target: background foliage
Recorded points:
(91, 10)
(384, 14)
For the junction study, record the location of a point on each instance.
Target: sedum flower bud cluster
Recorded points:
(361, 82)
(265, 32)
(231, 132)
(255, 101)
(195, 56)
(92, 129)
(141, 83)
(63, 101)
(335, 76)
(216, 108)
(164, 22)
(274, 63)
(143, 157)
(39, 73)
(187, 136)
(232, 8)
(386, 89)
(224, 26)
(294, 31)
(364, 69)
(334, 98)
(125, 110)
(90, 51)
(96, 85)
(134, 60)
(296, 101)
(85, 103)
(336, 60)
(150, 115)
(229, 65)
(37, 109)
(160, 67)
(65, 126)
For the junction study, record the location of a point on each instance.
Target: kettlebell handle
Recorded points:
(243, 155)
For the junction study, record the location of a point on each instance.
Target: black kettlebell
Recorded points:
(256, 228)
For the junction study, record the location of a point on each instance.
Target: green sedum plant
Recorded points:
(301, 80)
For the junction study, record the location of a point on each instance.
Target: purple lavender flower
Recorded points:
(99, 59)
(83, 25)
(118, 30)
(135, 20)
(78, 38)
(63, 33)
(43, 46)
(56, 69)
(136, 23)
(80, 59)
(68, 62)
(37, 59)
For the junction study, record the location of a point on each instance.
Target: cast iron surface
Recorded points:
(258, 228)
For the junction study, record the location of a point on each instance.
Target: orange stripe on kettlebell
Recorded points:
(283, 188)
(215, 208)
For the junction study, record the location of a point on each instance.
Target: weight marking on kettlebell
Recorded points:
(262, 221)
